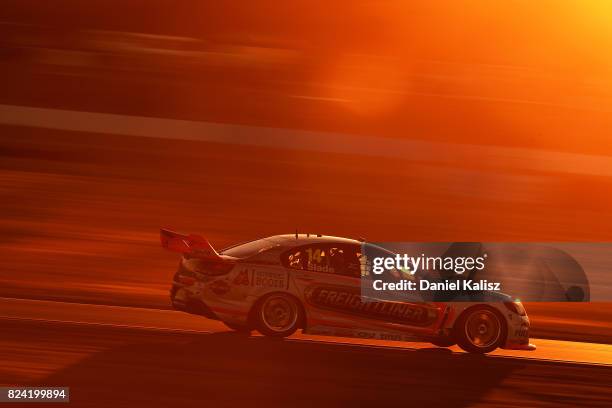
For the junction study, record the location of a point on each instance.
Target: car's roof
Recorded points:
(250, 248)
(292, 240)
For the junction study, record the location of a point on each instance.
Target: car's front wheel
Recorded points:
(480, 330)
(278, 315)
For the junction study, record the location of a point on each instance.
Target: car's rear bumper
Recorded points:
(181, 301)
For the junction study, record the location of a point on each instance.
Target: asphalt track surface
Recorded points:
(122, 356)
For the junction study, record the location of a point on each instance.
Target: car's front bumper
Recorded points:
(517, 337)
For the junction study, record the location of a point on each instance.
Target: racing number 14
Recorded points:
(314, 256)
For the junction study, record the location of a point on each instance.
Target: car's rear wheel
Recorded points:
(278, 315)
(480, 330)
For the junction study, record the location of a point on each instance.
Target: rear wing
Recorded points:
(193, 245)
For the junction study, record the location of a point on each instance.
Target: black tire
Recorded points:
(240, 328)
(278, 315)
(443, 342)
(480, 330)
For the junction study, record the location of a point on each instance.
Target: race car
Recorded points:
(279, 284)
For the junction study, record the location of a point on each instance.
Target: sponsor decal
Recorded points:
(219, 287)
(360, 334)
(348, 300)
(242, 278)
(261, 278)
(269, 279)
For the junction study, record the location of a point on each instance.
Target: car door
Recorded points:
(405, 311)
(324, 280)
(328, 278)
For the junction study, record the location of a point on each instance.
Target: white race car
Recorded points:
(283, 283)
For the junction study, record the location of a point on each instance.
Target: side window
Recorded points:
(336, 259)
(308, 258)
(346, 260)
(354, 258)
(294, 259)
